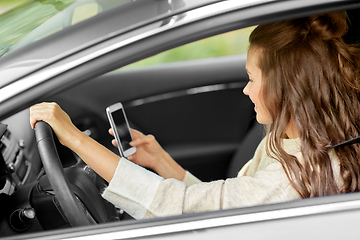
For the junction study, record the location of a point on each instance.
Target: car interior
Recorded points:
(201, 130)
(196, 109)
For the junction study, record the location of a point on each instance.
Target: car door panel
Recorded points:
(196, 109)
(198, 128)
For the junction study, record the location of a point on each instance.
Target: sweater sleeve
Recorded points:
(190, 179)
(144, 194)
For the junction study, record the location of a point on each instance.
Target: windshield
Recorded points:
(37, 19)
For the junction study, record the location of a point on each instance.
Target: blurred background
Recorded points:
(5, 5)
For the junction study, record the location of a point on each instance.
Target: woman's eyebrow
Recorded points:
(247, 71)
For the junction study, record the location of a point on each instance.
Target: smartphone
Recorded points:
(120, 126)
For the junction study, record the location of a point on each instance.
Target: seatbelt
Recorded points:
(345, 143)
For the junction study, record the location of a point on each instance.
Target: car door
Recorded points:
(193, 105)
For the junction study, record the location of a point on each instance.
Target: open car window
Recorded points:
(226, 44)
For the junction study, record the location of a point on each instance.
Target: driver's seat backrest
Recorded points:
(246, 149)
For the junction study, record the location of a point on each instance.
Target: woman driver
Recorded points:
(304, 82)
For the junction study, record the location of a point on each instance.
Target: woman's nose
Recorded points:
(246, 90)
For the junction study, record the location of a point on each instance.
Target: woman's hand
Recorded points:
(150, 154)
(57, 119)
(99, 158)
(148, 150)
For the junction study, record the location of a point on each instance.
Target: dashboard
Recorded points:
(20, 162)
(26, 194)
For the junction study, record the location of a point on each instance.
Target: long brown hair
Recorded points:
(311, 76)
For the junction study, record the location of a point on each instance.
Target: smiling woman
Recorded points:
(254, 86)
(312, 96)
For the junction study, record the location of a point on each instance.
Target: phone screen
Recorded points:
(122, 129)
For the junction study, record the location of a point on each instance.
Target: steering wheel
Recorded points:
(55, 172)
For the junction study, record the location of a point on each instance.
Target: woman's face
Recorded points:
(253, 87)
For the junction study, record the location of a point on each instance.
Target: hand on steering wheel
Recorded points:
(55, 172)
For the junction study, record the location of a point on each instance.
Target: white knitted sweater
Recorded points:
(262, 180)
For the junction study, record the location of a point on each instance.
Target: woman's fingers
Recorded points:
(111, 132)
(136, 134)
(42, 111)
(144, 139)
(138, 138)
(56, 118)
(34, 115)
(114, 143)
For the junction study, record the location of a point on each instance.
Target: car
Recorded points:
(160, 59)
